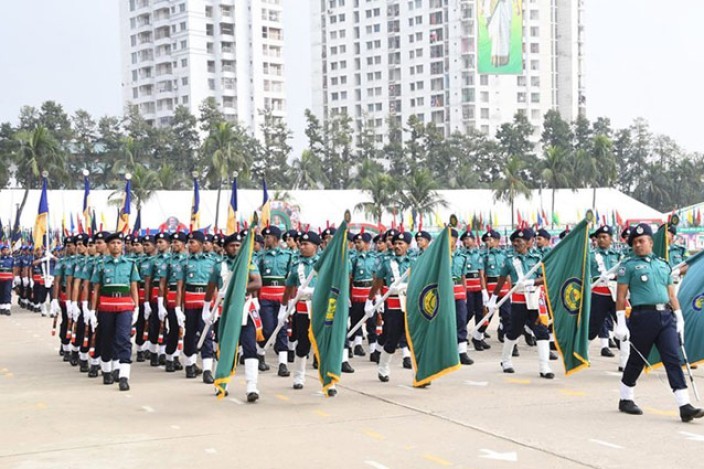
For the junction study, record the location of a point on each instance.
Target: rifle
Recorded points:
(290, 308)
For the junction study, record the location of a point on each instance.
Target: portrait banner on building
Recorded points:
(500, 37)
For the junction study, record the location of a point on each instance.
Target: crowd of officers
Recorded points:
(158, 289)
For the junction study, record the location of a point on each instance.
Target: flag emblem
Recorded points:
(428, 301)
(332, 307)
(571, 293)
(698, 302)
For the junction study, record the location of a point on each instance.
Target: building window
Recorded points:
(184, 81)
(184, 99)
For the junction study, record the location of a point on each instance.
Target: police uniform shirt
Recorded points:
(112, 271)
(172, 269)
(197, 270)
(494, 261)
(474, 260)
(385, 270)
(274, 265)
(609, 257)
(158, 264)
(677, 254)
(363, 266)
(308, 263)
(459, 266)
(527, 261)
(647, 278)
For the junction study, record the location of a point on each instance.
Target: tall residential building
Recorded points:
(378, 58)
(180, 52)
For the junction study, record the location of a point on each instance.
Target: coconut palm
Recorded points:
(382, 189)
(145, 182)
(422, 195)
(556, 172)
(307, 172)
(512, 184)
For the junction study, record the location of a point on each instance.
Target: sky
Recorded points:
(642, 60)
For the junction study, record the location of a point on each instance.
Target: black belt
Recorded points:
(115, 294)
(471, 275)
(658, 307)
(363, 284)
(195, 289)
(172, 287)
(273, 283)
(492, 279)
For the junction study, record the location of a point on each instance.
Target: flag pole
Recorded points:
(290, 308)
(380, 303)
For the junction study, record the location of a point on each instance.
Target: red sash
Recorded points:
(518, 298)
(171, 299)
(504, 290)
(141, 294)
(360, 294)
(473, 285)
(602, 290)
(193, 300)
(272, 293)
(6, 276)
(109, 304)
(460, 292)
(302, 307)
(38, 278)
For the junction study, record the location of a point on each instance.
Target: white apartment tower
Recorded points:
(378, 58)
(180, 52)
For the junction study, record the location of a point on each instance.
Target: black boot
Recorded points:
(262, 363)
(485, 345)
(515, 351)
(190, 372)
(347, 368)
(407, 363)
(359, 351)
(93, 372)
(606, 352)
(553, 355)
(553, 347)
(613, 343)
(500, 334)
(315, 362)
(478, 346)
(147, 354)
(154, 360)
(465, 360)
(252, 397)
(530, 340)
(177, 364)
(283, 370)
(208, 377)
(115, 375)
(61, 351)
(627, 406)
(688, 412)
(140, 356)
(332, 392)
(291, 355)
(198, 370)
(374, 356)
(108, 378)
(124, 385)
(67, 356)
(242, 359)
(84, 366)
(170, 366)
(548, 375)
(162, 359)
(74, 358)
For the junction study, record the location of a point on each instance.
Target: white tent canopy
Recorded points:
(319, 207)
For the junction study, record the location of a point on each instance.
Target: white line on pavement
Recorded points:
(375, 465)
(605, 443)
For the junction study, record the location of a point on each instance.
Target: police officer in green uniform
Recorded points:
(152, 284)
(145, 266)
(361, 284)
(192, 282)
(61, 298)
(169, 309)
(423, 239)
(493, 263)
(115, 298)
(85, 248)
(542, 242)
(676, 254)
(101, 249)
(459, 267)
(475, 286)
(655, 319)
(602, 259)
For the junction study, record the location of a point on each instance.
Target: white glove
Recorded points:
(306, 292)
(676, 276)
(528, 282)
(221, 293)
(84, 308)
(621, 332)
(147, 310)
(680, 324)
(491, 304)
(72, 310)
(162, 309)
(49, 281)
(180, 317)
(206, 314)
(93, 320)
(369, 309)
(31, 282)
(16, 281)
(283, 314)
(25, 281)
(54, 307)
(485, 296)
(135, 315)
(88, 315)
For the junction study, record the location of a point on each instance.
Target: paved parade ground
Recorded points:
(478, 417)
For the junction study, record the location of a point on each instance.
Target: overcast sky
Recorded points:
(643, 60)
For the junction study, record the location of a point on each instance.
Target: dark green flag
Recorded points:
(567, 276)
(431, 324)
(661, 247)
(230, 324)
(330, 308)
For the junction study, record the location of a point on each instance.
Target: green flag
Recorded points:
(567, 277)
(230, 324)
(661, 247)
(330, 308)
(431, 324)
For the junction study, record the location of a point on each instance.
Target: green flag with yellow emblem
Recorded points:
(431, 324)
(330, 308)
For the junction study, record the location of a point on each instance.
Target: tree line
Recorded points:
(402, 173)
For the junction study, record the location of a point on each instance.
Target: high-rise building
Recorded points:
(180, 52)
(375, 59)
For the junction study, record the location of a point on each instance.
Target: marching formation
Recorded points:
(165, 295)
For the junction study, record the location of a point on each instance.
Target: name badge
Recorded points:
(644, 278)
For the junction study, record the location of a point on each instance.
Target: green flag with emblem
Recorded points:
(567, 283)
(330, 308)
(660, 244)
(230, 323)
(431, 324)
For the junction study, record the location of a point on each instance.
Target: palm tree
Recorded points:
(422, 195)
(382, 189)
(170, 179)
(512, 184)
(38, 151)
(307, 172)
(144, 183)
(555, 171)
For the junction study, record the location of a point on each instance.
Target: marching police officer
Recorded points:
(361, 284)
(459, 267)
(169, 310)
(7, 265)
(603, 259)
(475, 286)
(655, 319)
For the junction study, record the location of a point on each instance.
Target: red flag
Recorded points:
(619, 220)
(520, 219)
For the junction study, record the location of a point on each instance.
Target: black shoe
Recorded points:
(689, 412)
(208, 377)
(108, 378)
(627, 406)
(93, 372)
(291, 356)
(190, 372)
(530, 340)
(262, 364)
(553, 347)
(613, 344)
(74, 359)
(154, 360)
(507, 370)
(407, 363)
(465, 360)
(177, 364)
(297, 386)
(147, 354)
(162, 360)
(486, 335)
(359, 351)
(606, 352)
(252, 397)
(140, 356)
(84, 366)
(115, 375)
(124, 385)
(515, 352)
(197, 369)
(620, 369)
(61, 352)
(549, 375)
(170, 366)
(485, 345)
(347, 368)
(283, 370)
(67, 356)
(382, 378)
(332, 392)
(500, 334)
(315, 362)
(478, 346)
(242, 359)
(374, 356)
(553, 355)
